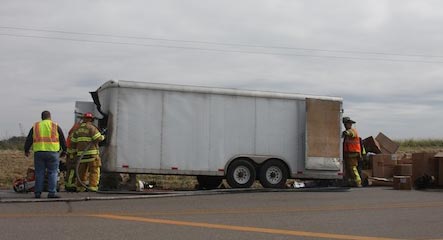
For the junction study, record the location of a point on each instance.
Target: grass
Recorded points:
(14, 164)
(420, 145)
(170, 181)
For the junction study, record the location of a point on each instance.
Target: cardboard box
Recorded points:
(423, 164)
(371, 145)
(398, 156)
(405, 161)
(375, 181)
(406, 158)
(402, 183)
(383, 165)
(387, 146)
(440, 172)
(439, 155)
(439, 160)
(380, 144)
(366, 173)
(403, 170)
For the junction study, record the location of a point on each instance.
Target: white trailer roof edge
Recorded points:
(211, 90)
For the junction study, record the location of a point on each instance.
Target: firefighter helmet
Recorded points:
(88, 115)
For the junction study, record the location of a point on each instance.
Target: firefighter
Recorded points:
(70, 177)
(351, 152)
(84, 142)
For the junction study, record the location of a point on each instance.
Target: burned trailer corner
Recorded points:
(218, 133)
(102, 122)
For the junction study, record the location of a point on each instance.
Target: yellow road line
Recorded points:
(237, 228)
(290, 209)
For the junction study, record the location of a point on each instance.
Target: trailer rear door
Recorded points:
(323, 141)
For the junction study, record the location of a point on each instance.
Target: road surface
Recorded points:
(364, 213)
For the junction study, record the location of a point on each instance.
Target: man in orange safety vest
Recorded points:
(351, 152)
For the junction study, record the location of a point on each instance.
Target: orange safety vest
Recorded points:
(71, 131)
(351, 144)
(45, 136)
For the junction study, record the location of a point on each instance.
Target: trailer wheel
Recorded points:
(273, 174)
(240, 174)
(209, 182)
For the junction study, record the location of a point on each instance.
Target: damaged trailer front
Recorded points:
(217, 133)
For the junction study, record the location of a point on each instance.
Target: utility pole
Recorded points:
(21, 129)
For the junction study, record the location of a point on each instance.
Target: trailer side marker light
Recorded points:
(125, 166)
(221, 170)
(174, 168)
(340, 174)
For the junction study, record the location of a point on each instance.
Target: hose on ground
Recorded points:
(77, 165)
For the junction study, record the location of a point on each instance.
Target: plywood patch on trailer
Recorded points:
(322, 131)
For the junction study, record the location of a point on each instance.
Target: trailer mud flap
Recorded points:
(323, 148)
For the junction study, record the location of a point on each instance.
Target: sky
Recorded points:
(384, 58)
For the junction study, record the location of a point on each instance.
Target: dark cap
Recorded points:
(348, 120)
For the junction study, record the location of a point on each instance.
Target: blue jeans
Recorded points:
(46, 161)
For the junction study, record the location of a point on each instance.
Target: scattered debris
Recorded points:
(25, 184)
(142, 186)
(424, 182)
(298, 184)
(402, 171)
(380, 144)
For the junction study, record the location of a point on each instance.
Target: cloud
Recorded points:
(356, 50)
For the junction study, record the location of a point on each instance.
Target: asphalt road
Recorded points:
(365, 213)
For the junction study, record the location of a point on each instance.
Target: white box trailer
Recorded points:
(216, 133)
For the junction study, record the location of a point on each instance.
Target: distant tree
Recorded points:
(13, 143)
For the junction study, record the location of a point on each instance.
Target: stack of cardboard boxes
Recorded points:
(387, 167)
(439, 166)
(402, 177)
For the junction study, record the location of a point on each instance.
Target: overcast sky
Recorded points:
(385, 58)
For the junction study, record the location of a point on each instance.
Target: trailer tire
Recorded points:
(209, 182)
(241, 174)
(273, 174)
